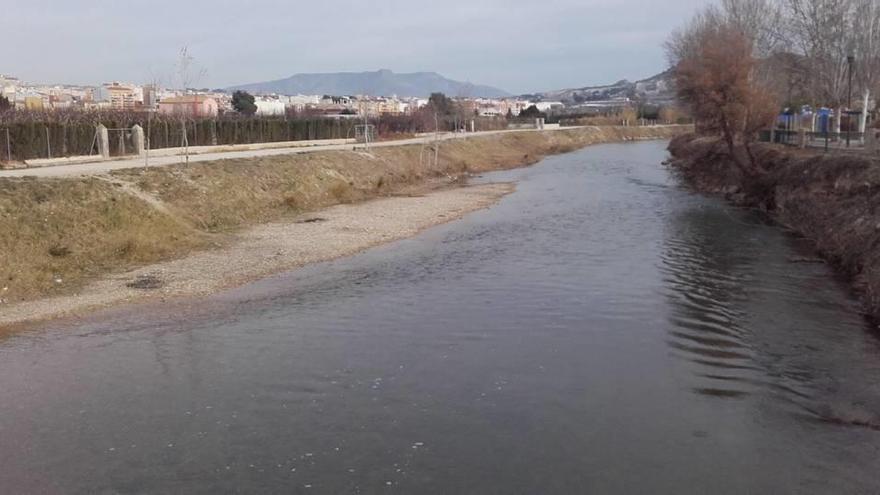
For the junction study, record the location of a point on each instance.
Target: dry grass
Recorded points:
(57, 233)
(76, 229)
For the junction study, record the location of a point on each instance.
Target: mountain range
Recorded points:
(658, 89)
(379, 83)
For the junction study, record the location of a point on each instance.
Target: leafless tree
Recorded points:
(820, 31)
(715, 75)
(153, 84)
(866, 50)
(187, 75)
(684, 42)
(761, 21)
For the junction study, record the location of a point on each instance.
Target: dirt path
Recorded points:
(97, 168)
(271, 248)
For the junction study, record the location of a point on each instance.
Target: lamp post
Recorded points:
(850, 59)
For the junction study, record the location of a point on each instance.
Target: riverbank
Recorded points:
(79, 243)
(832, 200)
(331, 233)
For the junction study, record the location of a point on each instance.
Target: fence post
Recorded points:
(803, 138)
(137, 139)
(773, 135)
(103, 138)
(870, 140)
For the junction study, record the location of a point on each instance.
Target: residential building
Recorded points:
(121, 96)
(9, 86)
(269, 107)
(35, 102)
(61, 101)
(190, 106)
(547, 106)
(151, 97)
(300, 103)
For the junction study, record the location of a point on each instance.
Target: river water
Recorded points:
(601, 330)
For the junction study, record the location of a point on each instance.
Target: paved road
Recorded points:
(97, 168)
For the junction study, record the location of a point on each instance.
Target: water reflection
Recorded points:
(722, 283)
(706, 275)
(601, 330)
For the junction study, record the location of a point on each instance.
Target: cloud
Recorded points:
(518, 45)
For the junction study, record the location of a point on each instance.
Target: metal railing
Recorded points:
(829, 141)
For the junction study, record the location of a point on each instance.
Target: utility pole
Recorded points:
(366, 130)
(850, 60)
(149, 129)
(436, 140)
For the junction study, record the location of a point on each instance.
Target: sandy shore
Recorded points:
(267, 249)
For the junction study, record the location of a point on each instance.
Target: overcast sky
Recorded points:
(518, 45)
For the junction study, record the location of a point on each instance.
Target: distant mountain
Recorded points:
(378, 83)
(658, 89)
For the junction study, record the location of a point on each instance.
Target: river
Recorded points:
(601, 330)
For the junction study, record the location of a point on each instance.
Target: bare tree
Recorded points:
(187, 74)
(684, 43)
(153, 84)
(821, 31)
(714, 69)
(761, 21)
(866, 50)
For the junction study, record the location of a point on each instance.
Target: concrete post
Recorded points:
(773, 135)
(473, 126)
(137, 139)
(871, 140)
(802, 135)
(103, 139)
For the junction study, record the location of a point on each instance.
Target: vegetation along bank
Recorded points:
(831, 199)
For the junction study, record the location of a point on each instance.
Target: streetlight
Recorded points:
(850, 60)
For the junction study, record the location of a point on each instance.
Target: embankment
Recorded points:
(60, 234)
(833, 200)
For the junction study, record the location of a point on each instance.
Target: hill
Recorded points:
(658, 89)
(379, 83)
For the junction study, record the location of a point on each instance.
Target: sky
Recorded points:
(520, 46)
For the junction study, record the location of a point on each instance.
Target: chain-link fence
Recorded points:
(34, 140)
(829, 141)
(29, 141)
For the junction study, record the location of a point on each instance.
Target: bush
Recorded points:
(70, 133)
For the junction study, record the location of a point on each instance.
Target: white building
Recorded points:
(9, 86)
(301, 102)
(546, 106)
(270, 107)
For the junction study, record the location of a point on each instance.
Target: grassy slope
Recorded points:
(73, 230)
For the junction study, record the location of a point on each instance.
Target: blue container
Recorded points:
(824, 120)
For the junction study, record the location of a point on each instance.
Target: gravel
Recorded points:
(267, 249)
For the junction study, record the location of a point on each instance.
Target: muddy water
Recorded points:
(602, 330)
